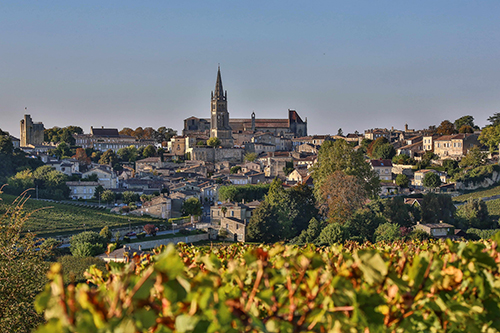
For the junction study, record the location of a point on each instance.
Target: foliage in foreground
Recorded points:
(22, 271)
(400, 287)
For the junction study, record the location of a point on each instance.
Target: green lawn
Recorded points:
(495, 190)
(50, 219)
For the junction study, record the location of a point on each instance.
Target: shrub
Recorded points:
(88, 243)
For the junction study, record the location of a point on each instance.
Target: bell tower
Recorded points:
(219, 120)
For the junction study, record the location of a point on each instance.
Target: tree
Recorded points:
(474, 214)
(62, 151)
(490, 136)
(396, 211)
(466, 129)
(341, 196)
(446, 128)
(81, 156)
(191, 206)
(437, 208)
(340, 132)
(494, 119)
(384, 151)
(374, 144)
(127, 154)
(464, 121)
(250, 157)
(473, 159)
(150, 229)
(364, 222)
(87, 243)
(149, 151)
(214, 142)
(310, 234)
(263, 226)
(6, 146)
(129, 196)
(431, 180)
(22, 271)
(288, 168)
(223, 210)
(333, 233)
(402, 180)
(403, 159)
(339, 156)
(235, 169)
(106, 234)
(108, 157)
(163, 135)
(108, 196)
(388, 232)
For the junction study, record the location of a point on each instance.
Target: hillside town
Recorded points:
(164, 168)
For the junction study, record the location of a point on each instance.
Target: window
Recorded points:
(232, 213)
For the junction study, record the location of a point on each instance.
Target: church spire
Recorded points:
(219, 92)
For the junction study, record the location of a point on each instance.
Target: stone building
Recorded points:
(219, 121)
(455, 146)
(103, 139)
(31, 133)
(160, 207)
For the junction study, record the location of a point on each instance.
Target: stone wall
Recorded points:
(216, 155)
(150, 244)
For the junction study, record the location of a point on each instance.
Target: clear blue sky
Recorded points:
(349, 64)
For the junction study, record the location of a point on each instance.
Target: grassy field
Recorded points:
(50, 219)
(495, 190)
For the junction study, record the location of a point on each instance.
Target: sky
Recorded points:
(353, 65)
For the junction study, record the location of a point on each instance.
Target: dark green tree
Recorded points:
(87, 243)
(191, 206)
(397, 212)
(473, 159)
(333, 233)
(437, 208)
(310, 234)
(495, 119)
(464, 121)
(364, 222)
(108, 157)
(402, 180)
(149, 151)
(385, 151)
(264, 226)
(474, 214)
(431, 180)
(388, 232)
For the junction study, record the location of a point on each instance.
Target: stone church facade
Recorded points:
(221, 126)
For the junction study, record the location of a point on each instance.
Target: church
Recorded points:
(221, 126)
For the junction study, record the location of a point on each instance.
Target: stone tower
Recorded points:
(219, 120)
(31, 133)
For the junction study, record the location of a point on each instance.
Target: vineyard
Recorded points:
(479, 194)
(49, 218)
(431, 286)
